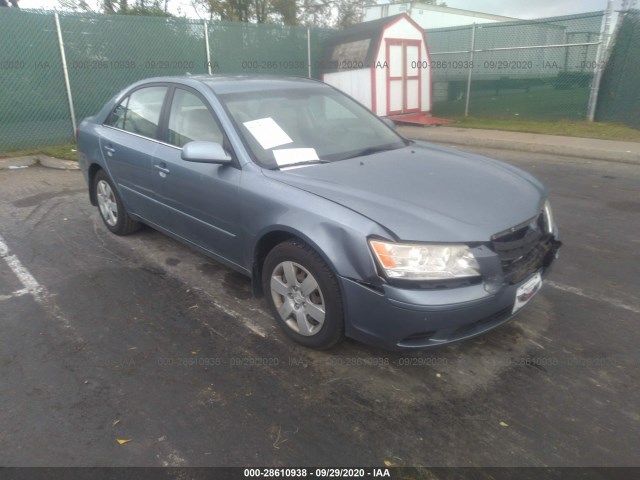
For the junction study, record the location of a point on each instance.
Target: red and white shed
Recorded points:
(384, 64)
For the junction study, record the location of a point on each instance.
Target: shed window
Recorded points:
(351, 55)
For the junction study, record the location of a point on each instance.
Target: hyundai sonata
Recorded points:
(346, 227)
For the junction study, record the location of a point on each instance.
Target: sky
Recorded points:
(510, 8)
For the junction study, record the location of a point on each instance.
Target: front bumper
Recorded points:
(408, 319)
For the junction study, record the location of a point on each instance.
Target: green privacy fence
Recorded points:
(33, 103)
(620, 88)
(105, 53)
(535, 69)
(242, 48)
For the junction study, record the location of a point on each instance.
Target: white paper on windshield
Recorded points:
(288, 156)
(267, 132)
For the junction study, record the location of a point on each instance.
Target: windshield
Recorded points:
(314, 124)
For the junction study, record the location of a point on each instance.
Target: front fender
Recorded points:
(338, 234)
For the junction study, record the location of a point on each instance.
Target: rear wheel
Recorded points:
(304, 295)
(112, 211)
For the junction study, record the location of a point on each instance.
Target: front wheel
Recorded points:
(304, 295)
(112, 211)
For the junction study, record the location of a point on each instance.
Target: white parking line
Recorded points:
(581, 293)
(32, 287)
(30, 284)
(247, 322)
(17, 293)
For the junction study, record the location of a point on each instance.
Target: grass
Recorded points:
(66, 151)
(546, 109)
(584, 129)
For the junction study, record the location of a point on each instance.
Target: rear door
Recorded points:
(128, 141)
(198, 200)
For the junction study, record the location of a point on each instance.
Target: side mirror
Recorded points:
(205, 152)
(389, 123)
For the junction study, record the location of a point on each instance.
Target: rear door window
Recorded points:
(139, 113)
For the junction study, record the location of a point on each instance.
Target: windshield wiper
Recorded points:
(298, 164)
(372, 150)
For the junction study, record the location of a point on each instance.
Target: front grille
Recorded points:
(524, 249)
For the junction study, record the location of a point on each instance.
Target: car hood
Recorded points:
(426, 193)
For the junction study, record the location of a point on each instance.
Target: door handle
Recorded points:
(162, 167)
(109, 149)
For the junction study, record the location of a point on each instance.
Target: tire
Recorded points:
(298, 306)
(110, 206)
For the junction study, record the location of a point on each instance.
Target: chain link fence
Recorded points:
(105, 53)
(529, 70)
(619, 99)
(538, 69)
(33, 102)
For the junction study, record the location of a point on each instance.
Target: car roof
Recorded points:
(222, 84)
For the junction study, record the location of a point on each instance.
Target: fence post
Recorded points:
(206, 46)
(309, 50)
(601, 55)
(66, 74)
(472, 51)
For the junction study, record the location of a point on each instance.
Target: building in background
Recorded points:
(432, 16)
(384, 64)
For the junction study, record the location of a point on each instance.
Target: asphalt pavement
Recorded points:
(141, 340)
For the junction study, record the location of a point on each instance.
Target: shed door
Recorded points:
(403, 76)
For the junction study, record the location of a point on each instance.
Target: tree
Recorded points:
(315, 12)
(319, 13)
(254, 11)
(287, 10)
(77, 6)
(332, 13)
(230, 10)
(153, 8)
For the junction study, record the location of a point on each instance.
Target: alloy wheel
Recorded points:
(107, 203)
(298, 298)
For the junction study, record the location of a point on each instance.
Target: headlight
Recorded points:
(548, 216)
(425, 262)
